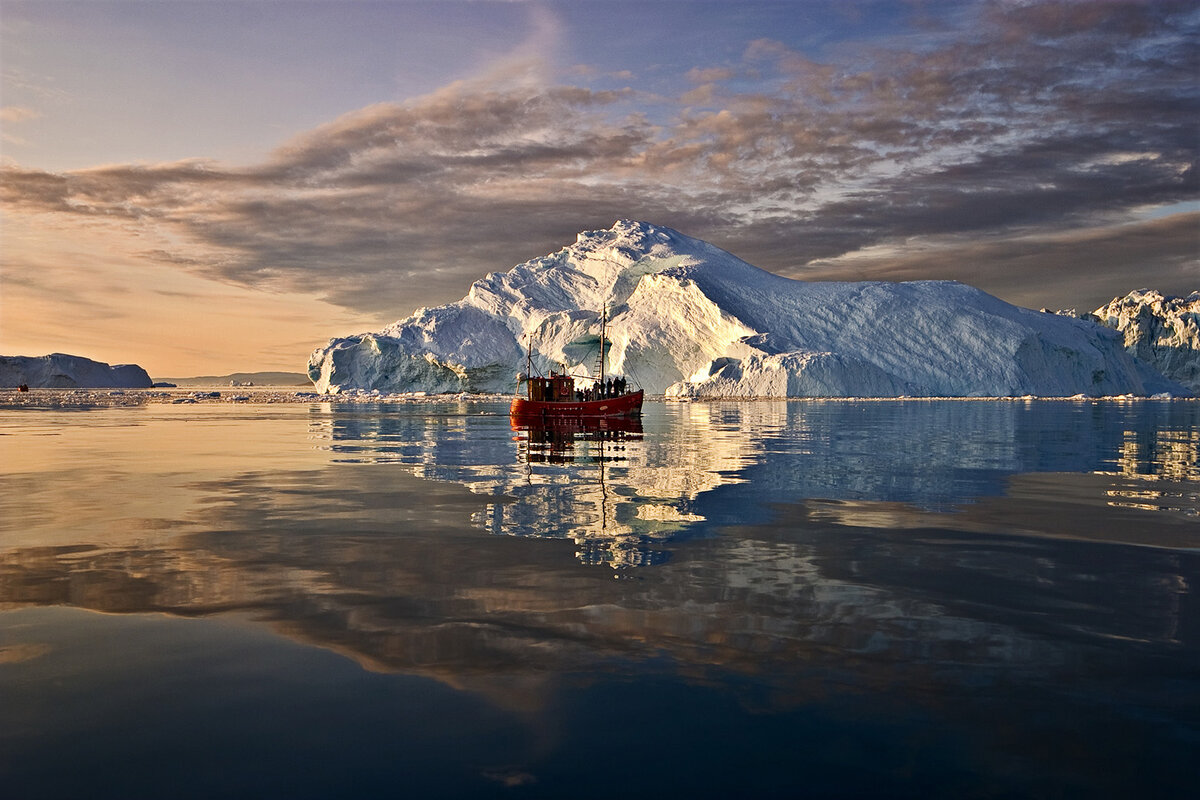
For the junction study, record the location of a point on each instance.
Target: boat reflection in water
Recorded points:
(571, 492)
(554, 440)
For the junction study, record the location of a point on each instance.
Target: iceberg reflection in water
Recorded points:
(925, 598)
(688, 467)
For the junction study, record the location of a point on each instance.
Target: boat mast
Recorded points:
(603, 322)
(528, 370)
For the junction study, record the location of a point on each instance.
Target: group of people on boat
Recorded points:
(613, 387)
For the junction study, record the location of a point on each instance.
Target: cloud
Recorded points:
(1078, 268)
(14, 114)
(991, 134)
(709, 74)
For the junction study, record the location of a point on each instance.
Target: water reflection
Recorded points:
(604, 519)
(568, 441)
(372, 564)
(999, 570)
(619, 494)
(690, 468)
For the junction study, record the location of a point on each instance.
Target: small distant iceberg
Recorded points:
(62, 371)
(687, 319)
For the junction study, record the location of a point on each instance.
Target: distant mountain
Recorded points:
(62, 371)
(686, 318)
(244, 379)
(1163, 330)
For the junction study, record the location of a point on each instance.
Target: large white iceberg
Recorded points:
(686, 318)
(62, 371)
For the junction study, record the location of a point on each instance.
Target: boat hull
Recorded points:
(625, 405)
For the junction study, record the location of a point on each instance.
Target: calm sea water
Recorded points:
(806, 599)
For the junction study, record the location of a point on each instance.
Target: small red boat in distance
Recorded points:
(558, 397)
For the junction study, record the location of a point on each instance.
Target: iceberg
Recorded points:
(687, 319)
(62, 371)
(1163, 330)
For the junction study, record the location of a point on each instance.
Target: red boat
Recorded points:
(558, 397)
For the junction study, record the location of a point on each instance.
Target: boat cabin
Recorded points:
(555, 389)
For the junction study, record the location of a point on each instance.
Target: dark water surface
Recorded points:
(808, 599)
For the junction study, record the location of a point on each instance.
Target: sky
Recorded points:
(210, 186)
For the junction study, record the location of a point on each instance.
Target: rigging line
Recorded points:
(532, 368)
(638, 381)
(583, 361)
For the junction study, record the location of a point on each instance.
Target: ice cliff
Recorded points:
(689, 319)
(1160, 329)
(61, 371)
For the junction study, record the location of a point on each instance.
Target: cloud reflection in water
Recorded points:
(964, 562)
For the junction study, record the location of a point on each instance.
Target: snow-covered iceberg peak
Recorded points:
(601, 270)
(687, 318)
